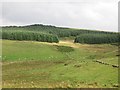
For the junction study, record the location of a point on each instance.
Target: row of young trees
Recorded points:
(97, 38)
(39, 32)
(67, 32)
(59, 31)
(29, 35)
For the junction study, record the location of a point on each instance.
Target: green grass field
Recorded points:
(31, 64)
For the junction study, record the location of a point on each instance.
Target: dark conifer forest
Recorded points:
(48, 33)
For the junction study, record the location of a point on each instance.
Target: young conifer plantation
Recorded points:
(30, 35)
(97, 38)
(48, 33)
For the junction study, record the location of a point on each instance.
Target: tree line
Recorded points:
(59, 31)
(33, 36)
(97, 38)
(48, 33)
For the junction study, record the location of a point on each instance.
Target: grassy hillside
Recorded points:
(65, 64)
(29, 61)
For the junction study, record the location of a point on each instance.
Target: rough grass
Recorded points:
(64, 48)
(42, 65)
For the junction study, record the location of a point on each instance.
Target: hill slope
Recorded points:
(63, 65)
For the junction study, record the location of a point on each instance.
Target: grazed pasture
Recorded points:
(32, 64)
